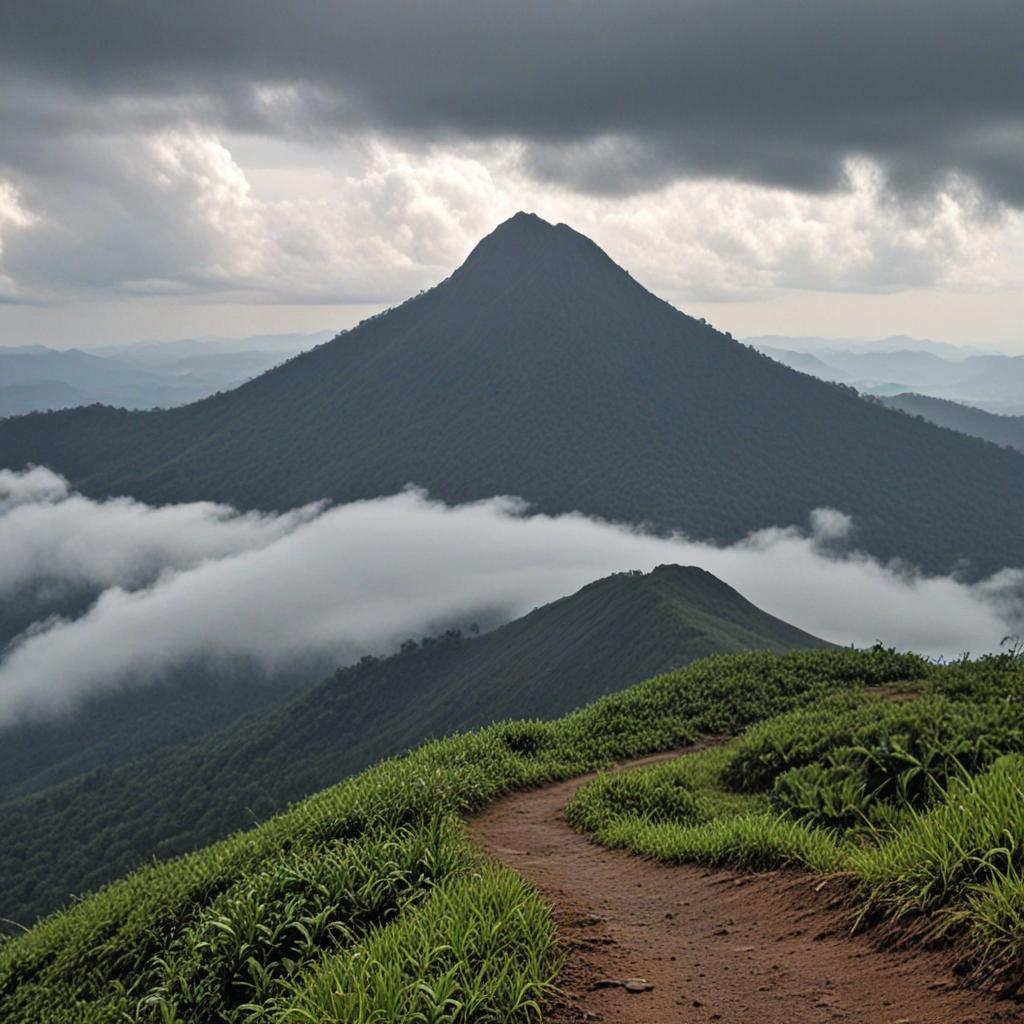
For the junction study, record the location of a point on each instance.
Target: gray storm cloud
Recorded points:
(612, 97)
(353, 579)
(351, 153)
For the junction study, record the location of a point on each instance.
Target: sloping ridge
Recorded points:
(541, 368)
(611, 634)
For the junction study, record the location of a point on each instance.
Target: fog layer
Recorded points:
(199, 580)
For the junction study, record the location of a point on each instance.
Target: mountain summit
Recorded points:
(527, 241)
(541, 368)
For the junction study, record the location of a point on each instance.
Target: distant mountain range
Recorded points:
(143, 376)
(609, 635)
(541, 368)
(991, 382)
(809, 343)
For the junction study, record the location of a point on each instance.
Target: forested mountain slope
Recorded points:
(602, 639)
(125, 723)
(1001, 430)
(541, 368)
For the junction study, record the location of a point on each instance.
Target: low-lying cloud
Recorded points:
(201, 581)
(53, 541)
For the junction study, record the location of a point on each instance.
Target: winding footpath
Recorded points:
(710, 945)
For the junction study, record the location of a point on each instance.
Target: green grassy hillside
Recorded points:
(542, 369)
(611, 634)
(365, 902)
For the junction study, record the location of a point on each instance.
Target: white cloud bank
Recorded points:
(202, 581)
(52, 540)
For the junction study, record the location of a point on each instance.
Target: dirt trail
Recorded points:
(716, 946)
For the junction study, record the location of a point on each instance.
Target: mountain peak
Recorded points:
(524, 219)
(524, 224)
(526, 239)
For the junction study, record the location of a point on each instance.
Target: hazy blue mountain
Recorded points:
(158, 351)
(93, 378)
(808, 363)
(30, 396)
(71, 366)
(881, 367)
(541, 368)
(867, 370)
(819, 346)
(143, 376)
(992, 382)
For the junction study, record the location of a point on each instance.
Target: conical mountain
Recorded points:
(541, 368)
(609, 635)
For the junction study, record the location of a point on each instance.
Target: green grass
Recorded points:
(478, 948)
(366, 902)
(916, 794)
(971, 838)
(753, 842)
(680, 811)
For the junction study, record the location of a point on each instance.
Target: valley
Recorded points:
(127, 808)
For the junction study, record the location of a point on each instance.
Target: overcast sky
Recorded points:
(846, 169)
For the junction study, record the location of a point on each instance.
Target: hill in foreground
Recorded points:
(566, 654)
(367, 903)
(541, 368)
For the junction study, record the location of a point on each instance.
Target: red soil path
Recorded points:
(716, 946)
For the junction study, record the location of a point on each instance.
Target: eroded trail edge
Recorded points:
(715, 945)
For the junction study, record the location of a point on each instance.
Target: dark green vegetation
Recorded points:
(609, 635)
(540, 368)
(112, 728)
(1001, 430)
(365, 903)
(917, 796)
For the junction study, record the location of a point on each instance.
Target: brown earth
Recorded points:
(715, 946)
